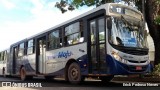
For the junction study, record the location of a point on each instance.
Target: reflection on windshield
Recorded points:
(127, 34)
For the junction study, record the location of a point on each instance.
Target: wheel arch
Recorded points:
(20, 69)
(69, 62)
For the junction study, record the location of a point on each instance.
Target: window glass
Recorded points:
(15, 52)
(0, 57)
(55, 39)
(30, 43)
(101, 30)
(54, 34)
(21, 50)
(30, 48)
(74, 34)
(74, 38)
(93, 57)
(72, 28)
(5, 55)
(93, 31)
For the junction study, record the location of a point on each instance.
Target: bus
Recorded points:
(4, 57)
(106, 41)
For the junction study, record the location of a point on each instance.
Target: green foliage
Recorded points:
(156, 70)
(157, 20)
(65, 5)
(158, 1)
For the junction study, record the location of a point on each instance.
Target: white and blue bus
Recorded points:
(106, 41)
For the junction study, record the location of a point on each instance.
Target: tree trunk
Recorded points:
(151, 12)
(157, 52)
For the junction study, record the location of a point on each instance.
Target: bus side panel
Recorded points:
(56, 59)
(30, 65)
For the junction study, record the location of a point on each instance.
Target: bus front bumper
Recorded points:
(117, 68)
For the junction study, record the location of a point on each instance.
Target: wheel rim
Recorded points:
(74, 73)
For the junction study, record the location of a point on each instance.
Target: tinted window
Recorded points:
(30, 48)
(73, 34)
(21, 50)
(55, 39)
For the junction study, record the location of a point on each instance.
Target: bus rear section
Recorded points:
(4, 56)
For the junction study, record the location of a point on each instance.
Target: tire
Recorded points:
(106, 79)
(23, 74)
(74, 73)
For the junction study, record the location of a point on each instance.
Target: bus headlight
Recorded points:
(117, 57)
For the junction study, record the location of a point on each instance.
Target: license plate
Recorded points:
(138, 68)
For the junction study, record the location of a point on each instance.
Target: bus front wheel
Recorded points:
(74, 74)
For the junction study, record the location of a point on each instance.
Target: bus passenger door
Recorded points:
(14, 63)
(97, 46)
(41, 52)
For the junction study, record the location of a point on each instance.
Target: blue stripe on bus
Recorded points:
(114, 67)
(81, 61)
(26, 64)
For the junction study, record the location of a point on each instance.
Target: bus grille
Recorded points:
(134, 52)
(136, 61)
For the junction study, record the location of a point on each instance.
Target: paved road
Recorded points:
(60, 84)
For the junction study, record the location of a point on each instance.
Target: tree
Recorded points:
(153, 20)
(152, 15)
(65, 5)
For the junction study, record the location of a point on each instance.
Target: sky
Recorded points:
(20, 19)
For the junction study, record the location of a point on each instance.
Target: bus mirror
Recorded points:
(109, 23)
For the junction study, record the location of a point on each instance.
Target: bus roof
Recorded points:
(105, 6)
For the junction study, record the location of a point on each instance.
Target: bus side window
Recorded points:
(0, 56)
(74, 34)
(21, 50)
(55, 39)
(30, 47)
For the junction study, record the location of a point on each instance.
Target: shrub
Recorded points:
(156, 70)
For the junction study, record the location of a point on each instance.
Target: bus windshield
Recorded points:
(128, 34)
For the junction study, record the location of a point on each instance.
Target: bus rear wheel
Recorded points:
(106, 78)
(74, 74)
(23, 74)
